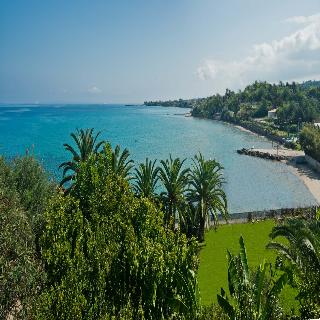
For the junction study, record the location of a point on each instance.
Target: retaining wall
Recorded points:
(269, 214)
(313, 163)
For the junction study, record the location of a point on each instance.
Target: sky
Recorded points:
(129, 51)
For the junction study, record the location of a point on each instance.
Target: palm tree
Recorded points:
(189, 223)
(146, 179)
(253, 295)
(120, 164)
(206, 191)
(174, 180)
(302, 253)
(86, 143)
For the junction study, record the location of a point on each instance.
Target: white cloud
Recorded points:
(94, 90)
(294, 57)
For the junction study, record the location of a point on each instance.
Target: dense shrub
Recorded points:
(20, 272)
(310, 141)
(32, 184)
(34, 189)
(106, 252)
(295, 103)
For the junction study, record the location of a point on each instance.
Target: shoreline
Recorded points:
(309, 177)
(246, 130)
(304, 172)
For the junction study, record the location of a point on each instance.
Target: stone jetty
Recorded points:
(273, 154)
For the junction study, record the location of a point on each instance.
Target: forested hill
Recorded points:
(174, 103)
(294, 102)
(310, 84)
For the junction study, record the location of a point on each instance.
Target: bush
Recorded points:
(310, 141)
(106, 252)
(20, 273)
(32, 184)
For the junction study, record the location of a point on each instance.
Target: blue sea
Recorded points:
(155, 132)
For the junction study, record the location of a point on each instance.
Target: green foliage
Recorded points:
(173, 176)
(146, 179)
(253, 295)
(190, 197)
(213, 312)
(107, 252)
(120, 164)
(174, 179)
(172, 103)
(262, 110)
(32, 184)
(310, 141)
(20, 272)
(296, 103)
(297, 112)
(190, 220)
(206, 192)
(86, 145)
(300, 258)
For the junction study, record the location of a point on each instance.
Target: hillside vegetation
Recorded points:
(293, 105)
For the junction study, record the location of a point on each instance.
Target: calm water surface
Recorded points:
(155, 132)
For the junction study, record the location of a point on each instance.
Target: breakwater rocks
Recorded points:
(260, 154)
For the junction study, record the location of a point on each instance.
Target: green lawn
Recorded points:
(212, 273)
(213, 256)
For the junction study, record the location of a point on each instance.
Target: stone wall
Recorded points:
(314, 164)
(269, 214)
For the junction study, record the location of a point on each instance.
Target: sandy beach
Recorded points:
(308, 176)
(245, 130)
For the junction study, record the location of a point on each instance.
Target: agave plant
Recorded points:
(206, 191)
(253, 295)
(174, 181)
(86, 145)
(146, 179)
(301, 258)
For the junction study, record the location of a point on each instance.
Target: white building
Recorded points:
(272, 114)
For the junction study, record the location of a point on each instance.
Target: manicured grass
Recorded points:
(212, 273)
(213, 255)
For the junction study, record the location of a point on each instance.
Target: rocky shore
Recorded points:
(278, 154)
(259, 154)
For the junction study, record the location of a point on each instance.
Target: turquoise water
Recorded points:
(155, 132)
